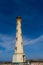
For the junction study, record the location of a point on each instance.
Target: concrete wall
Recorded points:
(37, 63)
(32, 63)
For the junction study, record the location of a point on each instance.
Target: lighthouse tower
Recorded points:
(18, 53)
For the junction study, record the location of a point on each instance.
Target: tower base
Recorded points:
(18, 58)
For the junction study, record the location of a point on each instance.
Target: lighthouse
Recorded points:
(18, 55)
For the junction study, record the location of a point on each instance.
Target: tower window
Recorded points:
(16, 30)
(20, 26)
(17, 23)
(21, 42)
(16, 38)
(15, 48)
(21, 34)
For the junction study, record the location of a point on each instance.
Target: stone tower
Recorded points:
(18, 54)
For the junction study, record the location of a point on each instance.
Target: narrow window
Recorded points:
(21, 34)
(16, 30)
(17, 24)
(16, 38)
(21, 43)
(15, 48)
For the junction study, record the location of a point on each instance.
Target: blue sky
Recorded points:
(31, 12)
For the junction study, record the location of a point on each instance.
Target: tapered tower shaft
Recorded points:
(18, 54)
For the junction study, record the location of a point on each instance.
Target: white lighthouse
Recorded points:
(18, 53)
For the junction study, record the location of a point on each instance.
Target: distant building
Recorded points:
(35, 62)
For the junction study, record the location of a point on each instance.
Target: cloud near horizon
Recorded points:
(7, 44)
(27, 41)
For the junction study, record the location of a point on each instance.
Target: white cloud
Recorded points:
(27, 41)
(7, 42)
